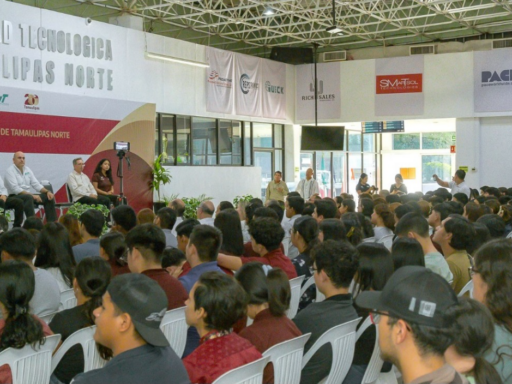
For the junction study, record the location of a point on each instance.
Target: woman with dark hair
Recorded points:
(92, 277)
(383, 220)
(473, 211)
(475, 334)
(399, 187)
(375, 268)
(223, 205)
(363, 186)
(243, 222)
(492, 280)
(355, 233)
(366, 207)
(18, 327)
(407, 251)
(73, 227)
(268, 293)
(103, 182)
(228, 222)
(113, 250)
(332, 229)
(54, 254)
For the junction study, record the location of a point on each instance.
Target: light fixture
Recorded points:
(268, 12)
(334, 29)
(159, 56)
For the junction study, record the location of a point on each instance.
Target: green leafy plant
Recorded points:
(6, 214)
(77, 209)
(238, 199)
(191, 204)
(161, 176)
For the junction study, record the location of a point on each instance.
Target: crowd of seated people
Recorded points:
(399, 259)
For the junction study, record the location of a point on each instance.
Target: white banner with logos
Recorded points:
(219, 81)
(329, 91)
(274, 89)
(399, 86)
(248, 85)
(493, 80)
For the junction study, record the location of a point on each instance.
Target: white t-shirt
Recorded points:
(46, 297)
(461, 188)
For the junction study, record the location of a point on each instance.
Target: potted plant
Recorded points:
(161, 176)
(77, 209)
(191, 204)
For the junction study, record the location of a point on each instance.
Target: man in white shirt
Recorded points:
(21, 182)
(293, 209)
(205, 213)
(11, 202)
(308, 186)
(81, 188)
(457, 185)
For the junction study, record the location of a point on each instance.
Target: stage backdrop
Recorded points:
(52, 129)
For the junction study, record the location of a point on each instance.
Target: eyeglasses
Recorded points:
(472, 270)
(375, 316)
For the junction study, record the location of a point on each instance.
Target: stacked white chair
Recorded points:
(295, 285)
(67, 299)
(467, 288)
(175, 327)
(375, 365)
(84, 337)
(251, 373)
(29, 365)
(286, 357)
(343, 341)
(311, 281)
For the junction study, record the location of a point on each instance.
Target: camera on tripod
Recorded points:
(121, 147)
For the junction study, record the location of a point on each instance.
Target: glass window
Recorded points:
(157, 141)
(323, 173)
(230, 142)
(263, 159)
(167, 128)
(278, 161)
(370, 168)
(204, 141)
(439, 140)
(306, 161)
(354, 141)
(247, 143)
(183, 124)
(406, 141)
(440, 165)
(262, 135)
(278, 136)
(354, 172)
(338, 169)
(369, 142)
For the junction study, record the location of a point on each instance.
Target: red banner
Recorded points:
(411, 83)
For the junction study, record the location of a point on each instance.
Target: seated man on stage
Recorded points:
(82, 190)
(19, 181)
(11, 202)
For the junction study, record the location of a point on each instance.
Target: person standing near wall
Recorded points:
(308, 186)
(457, 185)
(277, 188)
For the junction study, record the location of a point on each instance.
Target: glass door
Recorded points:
(440, 165)
(264, 160)
(323, 173)
(338, 169)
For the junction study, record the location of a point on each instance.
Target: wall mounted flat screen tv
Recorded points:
(322, 138)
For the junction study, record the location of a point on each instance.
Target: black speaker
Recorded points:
(293, 56)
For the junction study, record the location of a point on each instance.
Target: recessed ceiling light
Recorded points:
(334, 29)
(268, 12)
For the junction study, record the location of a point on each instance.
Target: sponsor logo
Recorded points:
(495, 78)
(246, 84)
(274, 88)
(2, 99)
(214, 78)
(412, 83)
(31, 102)
(321, 95)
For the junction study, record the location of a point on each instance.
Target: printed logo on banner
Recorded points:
(274, 88)
(321, 95)
(492, 78)
(215, 79)
(3, 98)
(411, 83)
(31, 102)
(246, 85)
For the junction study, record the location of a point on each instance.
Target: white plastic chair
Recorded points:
(369, 240)
(251, 373)
(286, 358)
(375, 365)
(509, 235)
(467, 288)
(311, 281)
(67, 299)
(295, 299)
(29, 365)
(48, 318)
(343, 341)
(387, 241)
(84, 337)
(175, 327)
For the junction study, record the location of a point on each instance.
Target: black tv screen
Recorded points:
(322, 138)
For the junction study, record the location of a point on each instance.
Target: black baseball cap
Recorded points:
(413, 294)
(146, 303)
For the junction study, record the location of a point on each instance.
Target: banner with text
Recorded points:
(493, 81)
(219, 81)
(399, 86)
(274, 89)
(329, 91)
(248, 85)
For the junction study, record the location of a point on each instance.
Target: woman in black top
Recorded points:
(399, 186)
(363, 186)
(92, 277)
